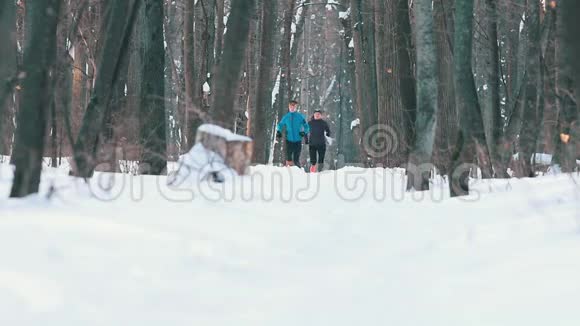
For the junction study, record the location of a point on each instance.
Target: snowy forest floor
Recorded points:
(349, 249)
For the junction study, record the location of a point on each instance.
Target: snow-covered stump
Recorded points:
(235, 150)
(218, 155)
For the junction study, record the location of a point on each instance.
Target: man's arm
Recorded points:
(306, 125)
(327, 128)
(281, 123)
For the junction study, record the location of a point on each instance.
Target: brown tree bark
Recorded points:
(152, 110)
(531, 126)
(447, 120)
(228, 73)
(391, 111)
(494, 119)
(285, 87)
(366, 80)
(117, 27)
(265, 83)
(189, 75)
(471, 141)
(419, 168)
(8, 72)
(38, 66)
(568, 87)
(406, 76)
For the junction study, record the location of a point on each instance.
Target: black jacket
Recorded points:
(317, 130)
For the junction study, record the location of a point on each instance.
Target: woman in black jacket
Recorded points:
(319, 130)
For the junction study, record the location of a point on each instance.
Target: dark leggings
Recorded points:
(293, 150)
(317, 150)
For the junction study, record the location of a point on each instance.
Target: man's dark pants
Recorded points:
(293, 152)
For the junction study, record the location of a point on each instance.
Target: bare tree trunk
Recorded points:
(447, 122)
(347, 96)
(383, 44)
(264, 96)
(79, 85)
(418, 171)
(8, 75)
(248, 90)
(495, 122)
(219, 34)
(568, 85)
(39, 56)
(366, 83)
(531, 127)
(189, 74)
(120, 16)
(152, 110)
(550, 116)
(285, 87)
(204, 42)
(60, 113)
(471, 141)
(406, 75)
(391, 111)
(174, 91)
(227, 78)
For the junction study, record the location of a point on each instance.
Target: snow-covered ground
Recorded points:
(282, 247)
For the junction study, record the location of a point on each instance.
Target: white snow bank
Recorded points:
(282, 247)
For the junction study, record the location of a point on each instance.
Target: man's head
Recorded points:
(292, 106)
(317, 115)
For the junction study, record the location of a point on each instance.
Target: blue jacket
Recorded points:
(294, 123)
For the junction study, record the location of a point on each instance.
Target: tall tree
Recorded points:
(422, 152)
(8, 63)
(392, 52)
(204, 34)
(264, 96)
(219, 33)
(406, 75)
(471, 141)
(115, 30)
(533, 86)
(152, 108)
(365, 73)
(38, 65)
(228, 73)
(447, 122)
(174, 83)
(571, 45)
(189, 74)
(494, 121)
(568, 85)
(284, 86)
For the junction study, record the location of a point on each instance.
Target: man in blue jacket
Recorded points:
(296, 129)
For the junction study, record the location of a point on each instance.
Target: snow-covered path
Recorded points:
(506, 256)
